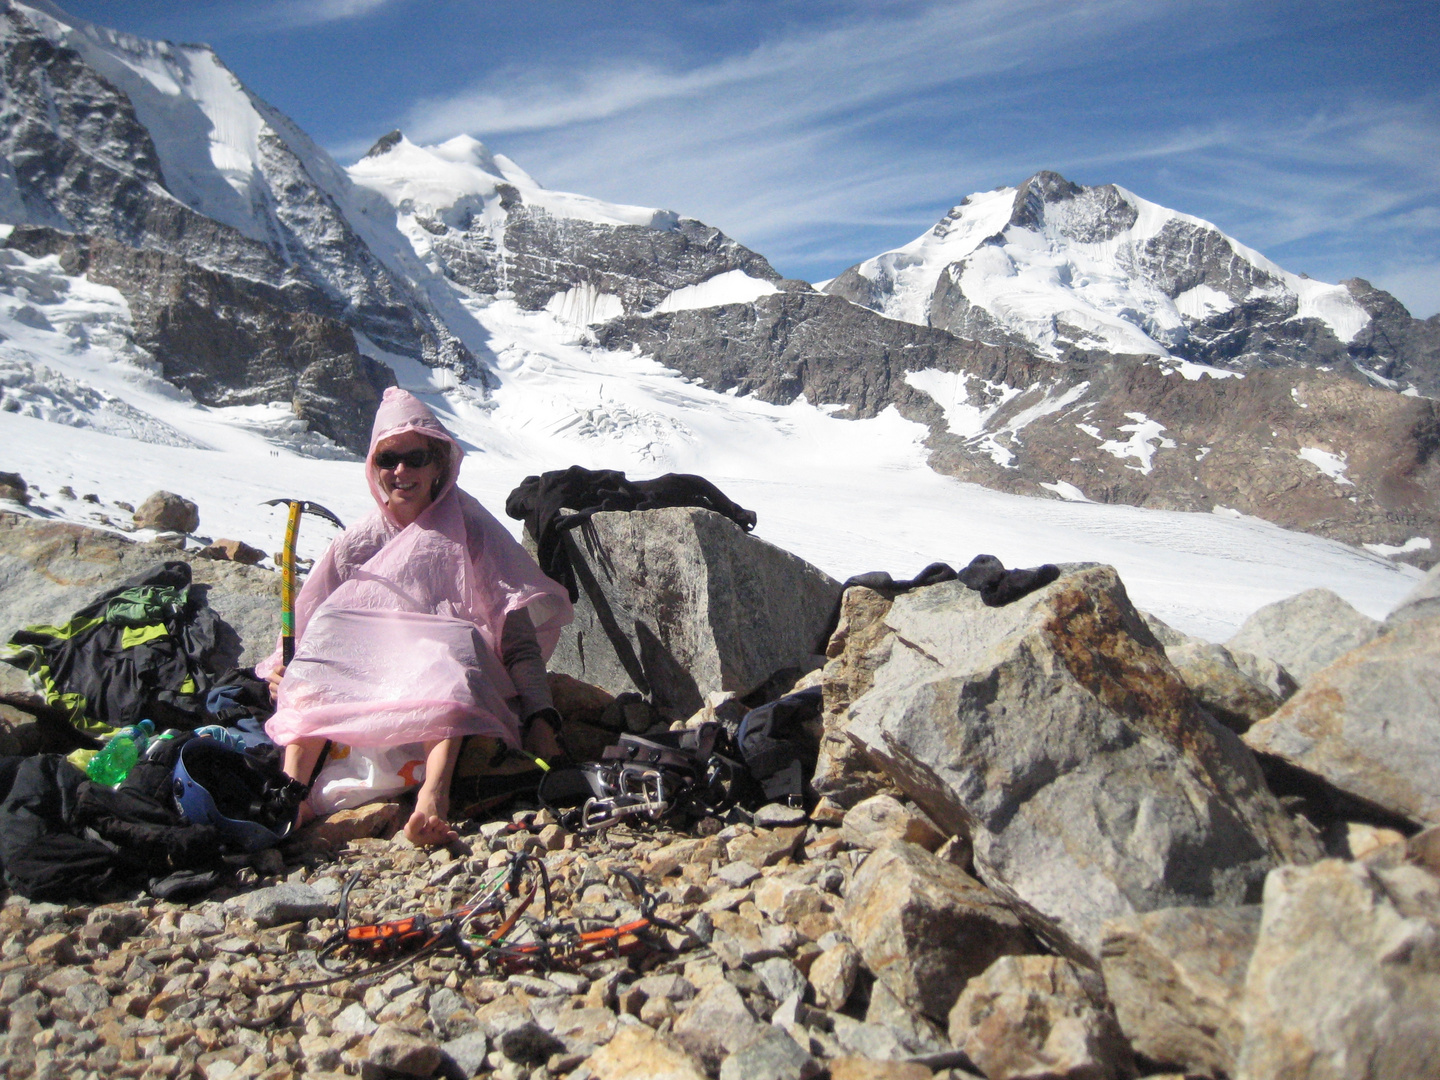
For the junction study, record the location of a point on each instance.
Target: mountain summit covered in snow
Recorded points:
(485, 224)
(1069, 271)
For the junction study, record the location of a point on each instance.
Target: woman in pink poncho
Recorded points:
(423, 623)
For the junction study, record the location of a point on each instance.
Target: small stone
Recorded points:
(88, 997)
(285, 903)
(13, 487)
(788, 901)
(377, 819)
(569, 982)
(167, 512)
(833, 975)
(636, 1051)
(354, 1018)
(1039, 1016)
(781, 977)
(51, 949)
(239, 551)
(766, 848)
(466, 1053)
(717, 1023)
(854, 1068)
(874, 822)
(775, 815)
(737, 874)
(773, 1055)
(397, 1050)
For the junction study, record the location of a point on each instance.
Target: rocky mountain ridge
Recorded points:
(1303, 447)
(487, 225)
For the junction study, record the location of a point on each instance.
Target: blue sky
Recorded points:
(822, 133)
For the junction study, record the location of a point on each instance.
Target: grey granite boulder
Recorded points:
(284, 903)
(1054, 731)
(1423, 602)
(1224, 690)
(844, 774)
(1344, 982)
(1040, 1016)
(681, 603)
(166, 511)
(1177, 980)
(49, 570)
(1305, 632)
(1369, 724)
(924, 927)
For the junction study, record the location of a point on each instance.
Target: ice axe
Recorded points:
(287, 567)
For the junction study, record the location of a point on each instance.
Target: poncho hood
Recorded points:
(401, 411)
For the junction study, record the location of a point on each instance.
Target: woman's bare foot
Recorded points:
(427, 826)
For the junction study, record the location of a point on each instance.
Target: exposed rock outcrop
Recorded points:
(49, 570)
(925, 928)
(1177, 980)
(1305, 632)
(1054, 732)
(1305, 448)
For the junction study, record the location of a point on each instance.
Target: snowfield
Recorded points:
(81, 408)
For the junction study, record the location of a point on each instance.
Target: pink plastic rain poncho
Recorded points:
(398, 630)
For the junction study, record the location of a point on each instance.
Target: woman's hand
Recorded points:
(274, 680)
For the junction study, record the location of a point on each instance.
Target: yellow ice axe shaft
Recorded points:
(287, 585)
(287, 567)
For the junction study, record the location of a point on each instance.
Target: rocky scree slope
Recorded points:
(1075, 890)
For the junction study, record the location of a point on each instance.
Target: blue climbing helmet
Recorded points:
(250, 801)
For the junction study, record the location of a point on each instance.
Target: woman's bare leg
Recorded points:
(300, 758)
(428, 825)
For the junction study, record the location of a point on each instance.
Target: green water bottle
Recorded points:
(114, 763)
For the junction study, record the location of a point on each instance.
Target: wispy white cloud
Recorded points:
(291, 14)
(878, 122)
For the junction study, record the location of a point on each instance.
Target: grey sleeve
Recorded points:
(520, 653)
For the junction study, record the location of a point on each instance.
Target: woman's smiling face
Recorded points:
(407, 489)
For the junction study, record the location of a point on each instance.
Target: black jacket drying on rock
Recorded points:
(140, 650)
(540, 502)
(986, 575)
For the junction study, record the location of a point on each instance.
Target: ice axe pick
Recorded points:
(287, 567)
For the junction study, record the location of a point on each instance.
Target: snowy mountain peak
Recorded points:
(1059, 267)
(478, 219)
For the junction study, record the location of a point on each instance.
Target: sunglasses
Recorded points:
(414, 459)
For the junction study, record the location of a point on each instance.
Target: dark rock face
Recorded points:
(544, 255)
(230, 340)
(1394, 344)
(1231, 443)
(794, 343)
(76, 156)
